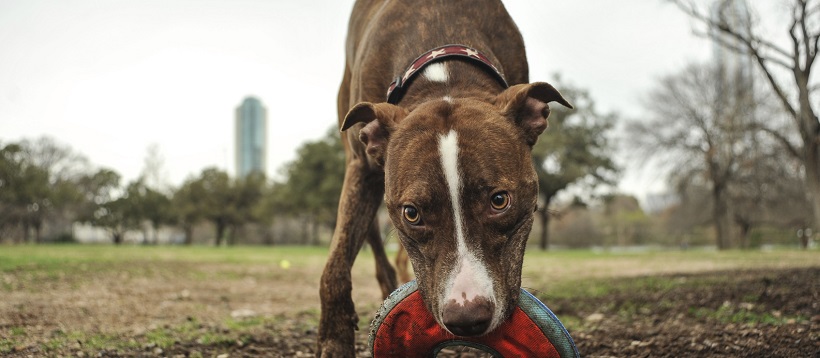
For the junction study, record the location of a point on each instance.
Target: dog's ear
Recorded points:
(527, 105)
(379, 119)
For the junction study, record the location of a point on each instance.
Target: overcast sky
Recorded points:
(110, 78)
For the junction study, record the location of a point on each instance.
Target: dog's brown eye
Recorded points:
(411, 214)
(500, 201)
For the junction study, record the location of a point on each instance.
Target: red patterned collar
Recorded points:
(396, 89)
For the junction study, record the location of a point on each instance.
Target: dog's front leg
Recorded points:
(362, 194)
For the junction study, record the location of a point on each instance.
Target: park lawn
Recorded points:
(63, 299)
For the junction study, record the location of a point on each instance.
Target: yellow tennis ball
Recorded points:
(285, 264)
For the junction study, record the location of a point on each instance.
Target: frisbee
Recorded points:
(403, 327)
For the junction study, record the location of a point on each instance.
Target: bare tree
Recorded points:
(768, 187)
(691, 211)
(154, 173)
(697, 127)
(787, 69)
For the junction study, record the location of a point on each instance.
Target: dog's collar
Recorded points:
(396, 89)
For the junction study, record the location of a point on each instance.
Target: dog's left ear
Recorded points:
(527, 105)
(379, 119)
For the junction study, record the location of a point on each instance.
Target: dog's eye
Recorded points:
(411, 214)
(500, 200)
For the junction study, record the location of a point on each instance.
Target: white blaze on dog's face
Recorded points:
(461, 189)
(468, 285)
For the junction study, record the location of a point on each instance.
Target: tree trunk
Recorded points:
(812, 163)
(189, 234)
(803, 238)
(38, 230)
(544, 215)
(315, 233)
(220, 233)
(155, 227)
(721, 216)
(305, 230)
(26, 231)
(117, 238)
(745, 228)
(270, 233)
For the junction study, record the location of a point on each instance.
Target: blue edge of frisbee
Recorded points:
(536, 310)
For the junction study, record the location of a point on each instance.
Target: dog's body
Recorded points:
(450, 157)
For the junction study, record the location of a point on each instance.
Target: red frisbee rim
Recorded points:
(411, 331)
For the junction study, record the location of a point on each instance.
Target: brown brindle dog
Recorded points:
(447, 150)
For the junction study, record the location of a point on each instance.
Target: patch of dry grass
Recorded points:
(121, 296)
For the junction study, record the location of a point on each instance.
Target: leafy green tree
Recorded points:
(214, 198)
(11, 166)
(574, 150)
(96, 189)
(275, 203)
(31, 189)
(23, 189)
(106, 209)
(147, 204)
(249, 193)
(218, 197)
(156, 208)
(37, 192)
(45, 183)
(11, 169)
(63, 167)
(188, 207)
(314, 181)
(117, 217)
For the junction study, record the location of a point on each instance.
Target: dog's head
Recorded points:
(461, 190)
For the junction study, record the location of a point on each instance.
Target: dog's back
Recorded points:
(384, 36)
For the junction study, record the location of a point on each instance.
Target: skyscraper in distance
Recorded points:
(251, 137)
(736, 63)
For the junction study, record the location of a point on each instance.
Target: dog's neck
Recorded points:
(440, 72)
(450, 78)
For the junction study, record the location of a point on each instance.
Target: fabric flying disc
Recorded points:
(403, 327)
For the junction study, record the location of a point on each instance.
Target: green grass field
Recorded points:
(155, 298)
(562, 265)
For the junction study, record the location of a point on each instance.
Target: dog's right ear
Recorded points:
(379, 119)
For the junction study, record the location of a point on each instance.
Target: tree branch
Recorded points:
(749, 43)
(806, 38)
(738, 49)
(787, 144)
(693, 12)
(795, 41)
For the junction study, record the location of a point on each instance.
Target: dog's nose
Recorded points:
(470, 318)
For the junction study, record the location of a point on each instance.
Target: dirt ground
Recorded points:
(761, 313)
(184, 309)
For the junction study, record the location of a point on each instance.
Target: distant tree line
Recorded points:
(45, 184)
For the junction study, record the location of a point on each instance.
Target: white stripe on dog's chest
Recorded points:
(469, 277)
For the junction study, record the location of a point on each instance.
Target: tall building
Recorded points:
(251, 137)
(735, 62)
